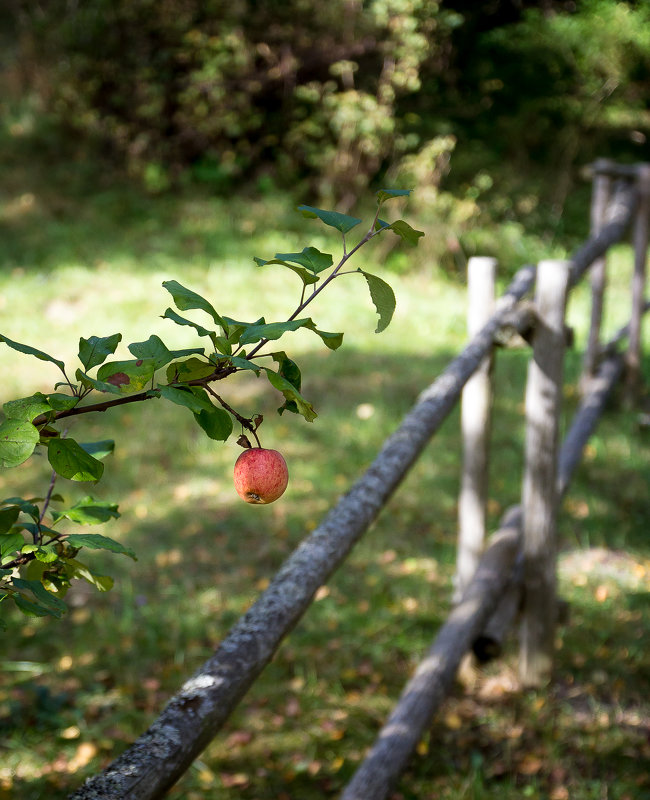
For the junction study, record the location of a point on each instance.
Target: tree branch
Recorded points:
(41, 419)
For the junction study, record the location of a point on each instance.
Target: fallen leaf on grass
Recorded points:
(453, 721)
(232, 780)
(83, 756)
(530, 765)
(239, 739)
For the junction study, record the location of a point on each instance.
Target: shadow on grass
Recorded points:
(204, 558)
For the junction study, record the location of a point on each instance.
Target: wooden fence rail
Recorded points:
(193, 716)
(495, 579)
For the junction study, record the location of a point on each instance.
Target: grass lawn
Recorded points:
(90, 259)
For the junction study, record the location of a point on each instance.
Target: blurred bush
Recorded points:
(488, 109)
(227, 87)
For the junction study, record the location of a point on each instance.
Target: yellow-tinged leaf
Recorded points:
(530, 765)
(234, 779)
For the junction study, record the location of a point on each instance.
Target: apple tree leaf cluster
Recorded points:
(40, 554)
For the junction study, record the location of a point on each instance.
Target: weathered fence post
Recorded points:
(539, 493)
(476, 403)
(599, 200)
(640, 238)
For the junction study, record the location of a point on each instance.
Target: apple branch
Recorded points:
(104, 405)
(335, 273)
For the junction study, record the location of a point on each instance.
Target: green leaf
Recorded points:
(156, 350)
(88, 511)
(78, 570)
(29, 608)
(44, 598)
(69, 460)
(331, 340)
(291, 395)
(99, 449)
(383, 297)
(190, 370)
(7, 518)
(94, 383)
(243, 363)
(26, 408)
(194, 398)
(46, 554)
(32, 351)
(408, 234)
(310, 258)
(17, 442)
(95, 541)
(306, 276)
(174, 317)
(10, 543)
(94, 351)
(127, 376)
(185, 299)
(36, 529)
(216, 422)
(24, 505)
(288, 369)
(272, 330)
(342, 222)
(388, 194)
(62, 402)
(236, 328)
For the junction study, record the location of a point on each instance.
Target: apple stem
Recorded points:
(243, 421)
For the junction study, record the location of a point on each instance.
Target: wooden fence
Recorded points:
(519, 560)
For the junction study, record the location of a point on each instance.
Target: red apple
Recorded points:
(261, 475)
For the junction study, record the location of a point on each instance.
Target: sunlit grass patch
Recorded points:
(92, 683)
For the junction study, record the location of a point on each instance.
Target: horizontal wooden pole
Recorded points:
(604, 166)
(619, 214)
(193, 716)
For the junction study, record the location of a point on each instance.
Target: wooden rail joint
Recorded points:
(519, 326)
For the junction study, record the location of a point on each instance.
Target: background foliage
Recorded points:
(511, 99)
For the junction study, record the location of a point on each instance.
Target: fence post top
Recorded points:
(554, 265)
